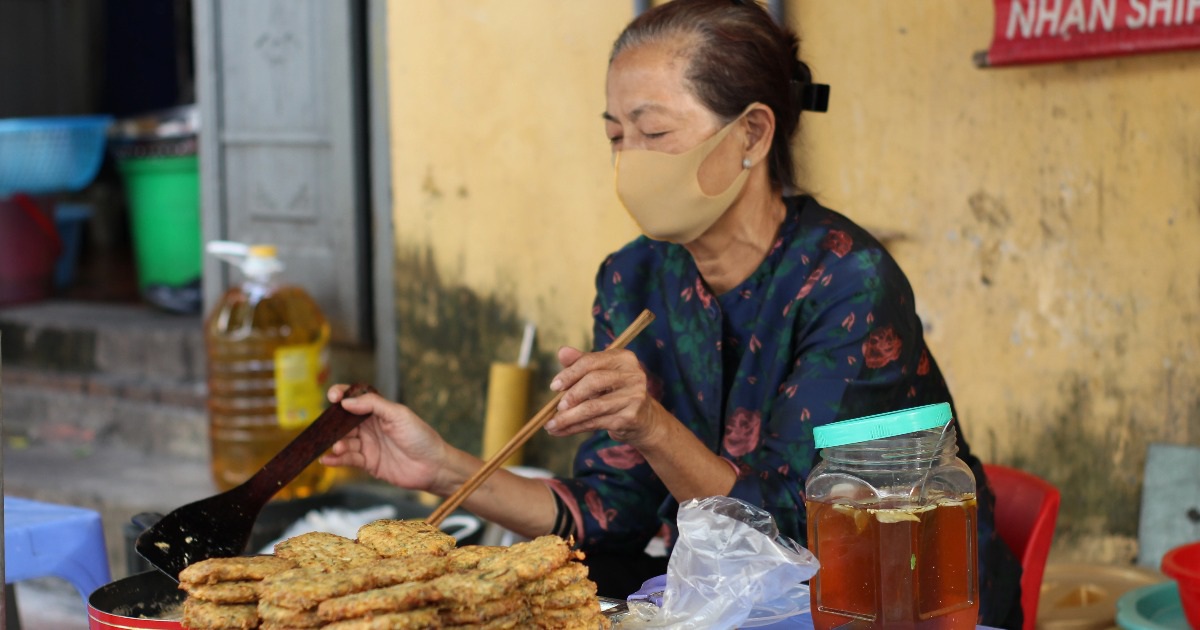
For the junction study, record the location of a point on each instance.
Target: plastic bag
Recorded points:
(730, 568)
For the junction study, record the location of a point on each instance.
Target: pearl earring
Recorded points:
(746, 163)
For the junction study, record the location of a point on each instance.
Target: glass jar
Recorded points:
(891, 518)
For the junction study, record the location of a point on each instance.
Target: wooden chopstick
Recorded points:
(531, 427)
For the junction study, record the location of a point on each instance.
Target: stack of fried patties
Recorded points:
(553, 582)
(397, 575)
(536, 584)
(223, 592)
(328, 566)
(422, 581)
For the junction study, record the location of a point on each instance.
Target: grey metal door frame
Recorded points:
(383, 229)
(294, 150)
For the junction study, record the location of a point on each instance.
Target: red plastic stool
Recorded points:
(50, 540)
(1026, 510)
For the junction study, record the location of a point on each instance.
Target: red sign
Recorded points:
(1037, 31)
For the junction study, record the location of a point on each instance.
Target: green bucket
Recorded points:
(164, 204)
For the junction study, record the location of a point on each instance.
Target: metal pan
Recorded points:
(144, 601)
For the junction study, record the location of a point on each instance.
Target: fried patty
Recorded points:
(468, 557)
(234, 569)
(389, 571)
(418, 619)
(287, 618)
(574, 595)
(475, 587)
(202, 615)
(557, 579)
(401, 539)
(586, 617)
(242, 592)
(392, 599)
(304, 588)
(518, 619)
(322, 549)
(531, 560)
(483, 611)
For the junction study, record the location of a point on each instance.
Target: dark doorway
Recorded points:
(82, 57)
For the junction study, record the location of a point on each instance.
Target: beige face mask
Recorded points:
(662, 191)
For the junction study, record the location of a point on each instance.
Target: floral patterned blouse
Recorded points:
(824, 330)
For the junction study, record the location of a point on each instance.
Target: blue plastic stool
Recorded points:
(45, 539)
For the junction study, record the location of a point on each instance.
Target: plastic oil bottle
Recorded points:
(267, 346)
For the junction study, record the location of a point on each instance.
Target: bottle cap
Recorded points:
(263, 251)
(882, 425)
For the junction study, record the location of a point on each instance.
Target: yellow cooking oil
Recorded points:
(267, 345)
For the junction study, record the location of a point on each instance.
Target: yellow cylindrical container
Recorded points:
(507, 408)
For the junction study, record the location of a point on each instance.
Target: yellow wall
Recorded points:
(1045, 215)
(503, 190)
(1047, 218)
(500, 158)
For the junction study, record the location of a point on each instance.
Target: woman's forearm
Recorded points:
(686, 466)
(521, 505)
(527, 507)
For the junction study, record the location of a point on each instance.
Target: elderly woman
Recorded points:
(775, 315)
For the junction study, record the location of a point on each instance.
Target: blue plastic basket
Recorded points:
(46, 155)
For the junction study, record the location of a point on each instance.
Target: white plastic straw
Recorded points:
(526, 345)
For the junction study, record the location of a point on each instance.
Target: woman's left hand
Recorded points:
(604, 390)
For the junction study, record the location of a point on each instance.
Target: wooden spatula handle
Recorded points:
(329, 427)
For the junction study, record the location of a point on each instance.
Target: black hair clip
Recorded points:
(814, 97)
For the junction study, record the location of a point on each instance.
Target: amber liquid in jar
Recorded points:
(894, 567)
(241, 336)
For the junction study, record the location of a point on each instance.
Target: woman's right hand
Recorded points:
(393, 444)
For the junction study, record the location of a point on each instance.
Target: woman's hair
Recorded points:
(737, 55)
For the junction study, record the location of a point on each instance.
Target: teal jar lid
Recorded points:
(883, 425)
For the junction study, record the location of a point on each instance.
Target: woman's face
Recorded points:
(649, 106)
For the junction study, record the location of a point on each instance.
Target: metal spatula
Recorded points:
(220, 526)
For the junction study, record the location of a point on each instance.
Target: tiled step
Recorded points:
(99, 411)
(92, 375)
(118, 340)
